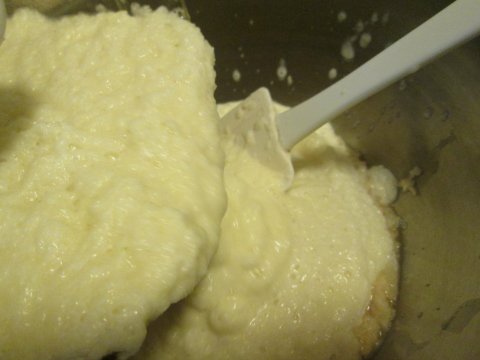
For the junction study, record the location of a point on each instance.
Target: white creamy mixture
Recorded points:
(307, 274)
(111, 204)
(111, 191)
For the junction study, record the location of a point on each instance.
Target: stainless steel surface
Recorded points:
(431, 120)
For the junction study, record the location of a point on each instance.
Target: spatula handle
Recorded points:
(453, 26)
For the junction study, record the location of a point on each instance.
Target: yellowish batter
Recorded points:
(111, 204)
(306, 274)
(111, 191)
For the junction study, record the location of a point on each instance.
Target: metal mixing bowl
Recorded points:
(431, 120)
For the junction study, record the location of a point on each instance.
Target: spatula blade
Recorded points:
(252, 125)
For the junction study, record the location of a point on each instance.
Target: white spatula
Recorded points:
(268, 136)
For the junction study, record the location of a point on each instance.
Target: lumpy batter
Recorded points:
(111, 191)
(111, 204)
(305, 274)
